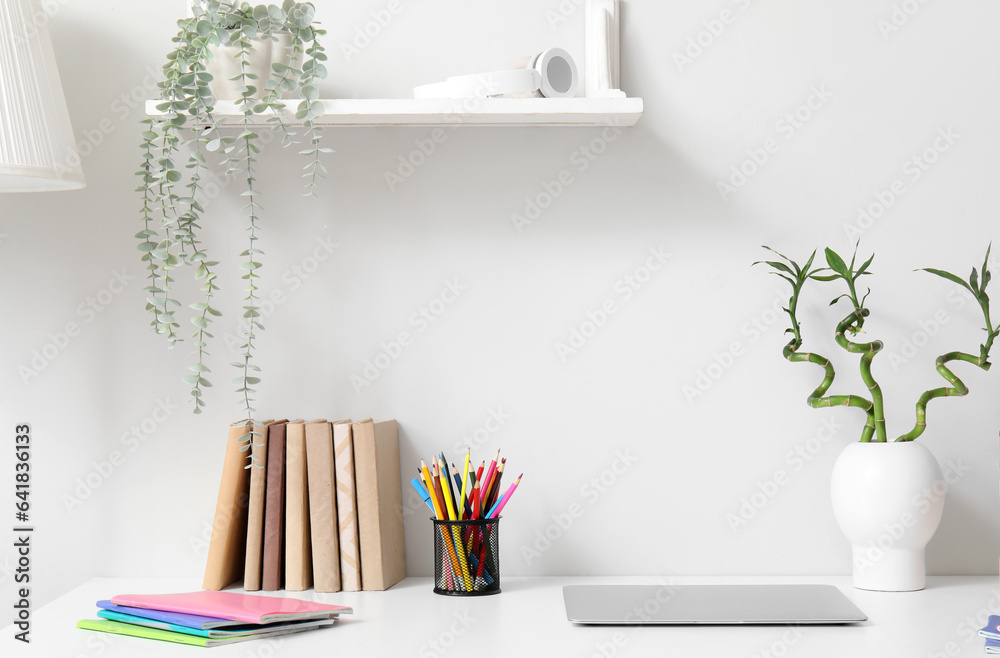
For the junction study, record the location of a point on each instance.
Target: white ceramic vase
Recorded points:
(888, 499)
(224, 65)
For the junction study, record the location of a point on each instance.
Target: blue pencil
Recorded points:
(423, 493)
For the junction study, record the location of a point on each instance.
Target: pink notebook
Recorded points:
(236, 607)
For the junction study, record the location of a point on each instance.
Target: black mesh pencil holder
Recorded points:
(467, 557)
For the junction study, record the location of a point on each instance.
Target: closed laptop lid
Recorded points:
(709, 604)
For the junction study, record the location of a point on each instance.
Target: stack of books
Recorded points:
(320, 507)
(209, 619)
(992, 634)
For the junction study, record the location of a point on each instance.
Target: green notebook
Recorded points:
(121, 628)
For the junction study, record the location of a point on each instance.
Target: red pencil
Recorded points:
(439, 494)
(479, 473)
(476, 511)
(476, 503)
(495, 485)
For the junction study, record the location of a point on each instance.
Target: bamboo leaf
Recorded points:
(805, 268)
(864, 268)
(836, 263)
(986, 268)
(951, 277)
(780, 266)
(974, 281)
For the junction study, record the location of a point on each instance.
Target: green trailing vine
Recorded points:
(176, 146)
(838, 270)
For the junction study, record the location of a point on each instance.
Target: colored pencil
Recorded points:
(452, 547)
(495, 512)
(476, 511)
(465, 478)
(463, 505)
(430, 489)
(495, 486)
(452, 516)
(446, 473)
(479, 474)
(488, 478)
(437, 511)
(422, 492)
(446, 490)
(476, 504)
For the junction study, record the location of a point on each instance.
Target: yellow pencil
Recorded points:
(456, 535)
(446, 492)
(447, 537)
(430, 489)
(465, 480)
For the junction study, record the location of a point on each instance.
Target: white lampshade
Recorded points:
(37, 149)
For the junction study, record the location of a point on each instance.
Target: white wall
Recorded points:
(884, 98)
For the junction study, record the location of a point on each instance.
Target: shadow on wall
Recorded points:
(512, 181)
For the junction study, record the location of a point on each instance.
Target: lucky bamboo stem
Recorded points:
(853, 323)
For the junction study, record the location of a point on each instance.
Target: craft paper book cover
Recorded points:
(350, 558)
(379, 504)
(273, 562)
(247, 608)
(322, 507)
(255, 512)
(298, 545)
(227, 549)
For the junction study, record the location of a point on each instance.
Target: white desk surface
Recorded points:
(528, 619)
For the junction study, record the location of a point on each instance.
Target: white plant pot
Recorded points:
(888, 499)
(224, 65)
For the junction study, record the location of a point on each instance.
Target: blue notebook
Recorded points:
(179, 618)
(216, 634)
(990, 630)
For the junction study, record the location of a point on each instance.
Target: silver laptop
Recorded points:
(709, 604)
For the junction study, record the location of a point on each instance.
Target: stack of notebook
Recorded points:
(992, 634)
(321, 507)
(208, 619)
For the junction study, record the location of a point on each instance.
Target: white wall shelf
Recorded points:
(480, 112)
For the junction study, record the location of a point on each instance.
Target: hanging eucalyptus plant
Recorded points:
(872, 402)
(178, 143)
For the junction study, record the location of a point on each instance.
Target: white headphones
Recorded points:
(551, 74)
